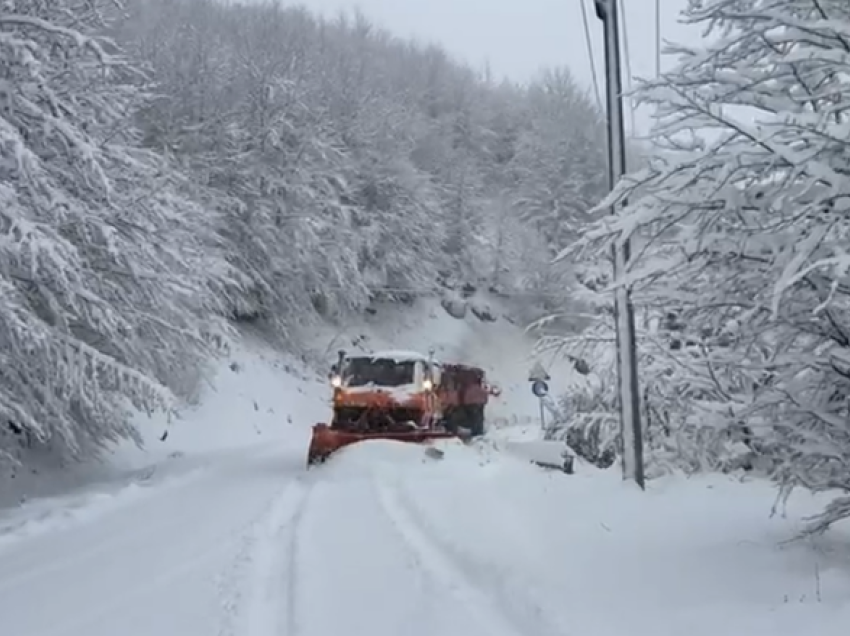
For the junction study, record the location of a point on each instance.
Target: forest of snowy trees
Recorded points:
(170, 169)
(742, 241)
(173, 168)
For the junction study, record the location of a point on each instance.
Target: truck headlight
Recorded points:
(336, 382)
(427, 384)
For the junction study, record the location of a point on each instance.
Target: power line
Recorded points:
(590, 57)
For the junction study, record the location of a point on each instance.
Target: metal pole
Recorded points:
(657, 39)
(542, 415)
(630, 425)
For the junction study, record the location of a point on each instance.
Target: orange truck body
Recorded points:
(368, 413)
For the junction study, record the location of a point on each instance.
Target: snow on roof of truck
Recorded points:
(399, 356)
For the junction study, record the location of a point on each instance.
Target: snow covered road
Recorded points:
(251, 545)
(166, 563)
(385, 541)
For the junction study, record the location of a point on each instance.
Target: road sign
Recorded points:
(540, 388)
(538, 373)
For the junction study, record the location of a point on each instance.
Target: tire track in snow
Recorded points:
(259, 591)
(502, 612)
(293, 546)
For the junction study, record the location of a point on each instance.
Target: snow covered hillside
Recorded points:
(220, 529)
(144, 215)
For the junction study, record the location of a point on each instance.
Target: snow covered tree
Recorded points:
(346, 163)
(103, 268)
(744, 227)
(212, 163)
(561, 169)
(395, 214)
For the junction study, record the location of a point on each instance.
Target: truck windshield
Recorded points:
(378, 371)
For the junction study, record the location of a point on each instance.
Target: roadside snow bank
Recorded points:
(253, 398)
(703, 553)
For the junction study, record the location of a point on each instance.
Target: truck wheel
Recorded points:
(475, 420)
(450, 420)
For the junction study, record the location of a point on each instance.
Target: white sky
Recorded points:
(518, 37)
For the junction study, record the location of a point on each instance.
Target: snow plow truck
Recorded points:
(403, 396)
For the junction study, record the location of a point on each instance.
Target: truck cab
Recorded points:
(388, 370)
(384, 390)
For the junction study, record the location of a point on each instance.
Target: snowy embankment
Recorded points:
(230, 535)
(253, 399)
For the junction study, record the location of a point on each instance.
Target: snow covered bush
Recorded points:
(560, 172)
(679, 397)
(741, 227)
(103, 270)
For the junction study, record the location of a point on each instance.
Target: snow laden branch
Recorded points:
(103, 269)
(741, 230)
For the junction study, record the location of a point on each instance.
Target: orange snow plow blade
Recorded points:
(326, 441)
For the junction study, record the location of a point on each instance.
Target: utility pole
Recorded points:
(657, 39)
(630, 424)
